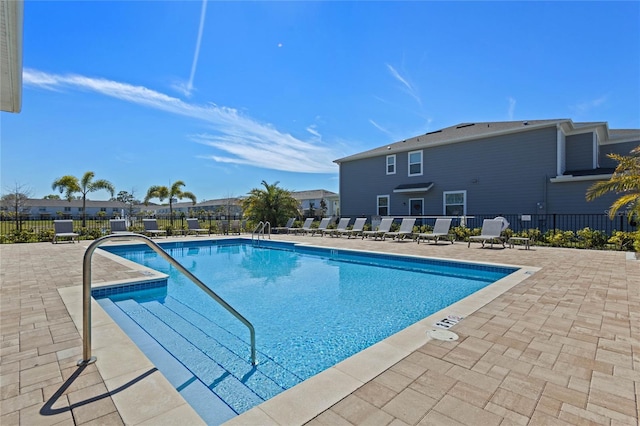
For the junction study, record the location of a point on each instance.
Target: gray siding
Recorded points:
(570, 198)
(500, 174)
(618, 148)
(579, 152)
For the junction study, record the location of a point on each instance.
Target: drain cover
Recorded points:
(442, 335)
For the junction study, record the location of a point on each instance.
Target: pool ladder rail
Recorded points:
(86, 292)
(260, 230)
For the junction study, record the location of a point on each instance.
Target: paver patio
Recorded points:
(561, 347)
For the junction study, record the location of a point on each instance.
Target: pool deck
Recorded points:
(562, 346)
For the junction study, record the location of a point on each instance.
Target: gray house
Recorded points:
(521, 168)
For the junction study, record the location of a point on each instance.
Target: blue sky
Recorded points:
(223, 95)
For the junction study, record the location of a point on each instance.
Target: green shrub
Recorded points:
(592, 239)
(624, 240)
(558, 238)
(461, 232)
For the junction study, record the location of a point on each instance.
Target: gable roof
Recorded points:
(469, 131)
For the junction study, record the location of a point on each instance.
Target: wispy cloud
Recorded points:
(586, 106)
(408, 87)
(379, 127)
(512, 108)
(240, 139)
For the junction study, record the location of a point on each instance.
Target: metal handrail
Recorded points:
(86, 292)
(260, 230)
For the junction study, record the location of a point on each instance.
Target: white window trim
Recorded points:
(394, 164)
(444, 201)
(388, 204)
(411, 200)
(409, 163)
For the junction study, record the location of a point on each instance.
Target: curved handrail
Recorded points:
(260, 230)
(86, 292)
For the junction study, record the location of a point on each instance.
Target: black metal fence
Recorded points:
(35, 228)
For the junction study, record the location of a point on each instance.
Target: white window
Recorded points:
(415, 163)
(454, 203)
(391, 164)
(383, 205)
(67, 209)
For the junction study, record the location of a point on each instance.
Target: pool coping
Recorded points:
(297, 405)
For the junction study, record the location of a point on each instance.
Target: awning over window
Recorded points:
(414, 187)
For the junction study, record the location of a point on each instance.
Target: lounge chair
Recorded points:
(118, 226)
(440, 230)
(151, 228)
(342, 226)
(406, 228)
(491, 230)
(64, 229)
(383, 228)
(194, 226)
(284, 229)
(321, 227)
(358, 226)
(306, 226)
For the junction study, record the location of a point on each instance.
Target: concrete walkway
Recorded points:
(560, 347)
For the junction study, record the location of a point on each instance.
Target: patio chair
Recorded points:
(383, 228)
(342, 226)
(118, 226)
(321, 227)
(406, 228)
(491, 231)
(64, 229)
(194, 226)
(440, 230)
(284, 229)
(151, 228)
(356, 230)
(306, 226)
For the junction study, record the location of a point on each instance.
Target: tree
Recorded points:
(16, 200)
(51, 197)
(175, 191)
(70, 185)
(271, 204)
(128, 200)
(626, 181)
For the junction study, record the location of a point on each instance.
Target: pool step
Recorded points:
(217, 359)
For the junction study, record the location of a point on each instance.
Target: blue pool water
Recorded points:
(311, 308)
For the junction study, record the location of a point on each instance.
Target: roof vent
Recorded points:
(435, 131)
(465, 125)
(526, 123)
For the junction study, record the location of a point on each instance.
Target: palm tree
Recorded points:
(272, 204)
(70, 185)
(626, 181)
(175, 191)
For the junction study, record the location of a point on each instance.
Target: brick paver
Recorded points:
(562, 347)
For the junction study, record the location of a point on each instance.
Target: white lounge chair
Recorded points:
(383, 228)
(440, 230)
(321, 227)
(306, 226)
(356, 230)
(194, 226)
(118, 226)
(342, 226)
(151, 228)
(64, 229)
(284, 229)
(491, 231)
(406, 228)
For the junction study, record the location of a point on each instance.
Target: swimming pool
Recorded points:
(312, 307)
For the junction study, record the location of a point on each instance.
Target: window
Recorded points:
(391, 164)
(455, 203)
(67, 209)
(415, 163)
(103, 209)
(114, 209)
(383, 205)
